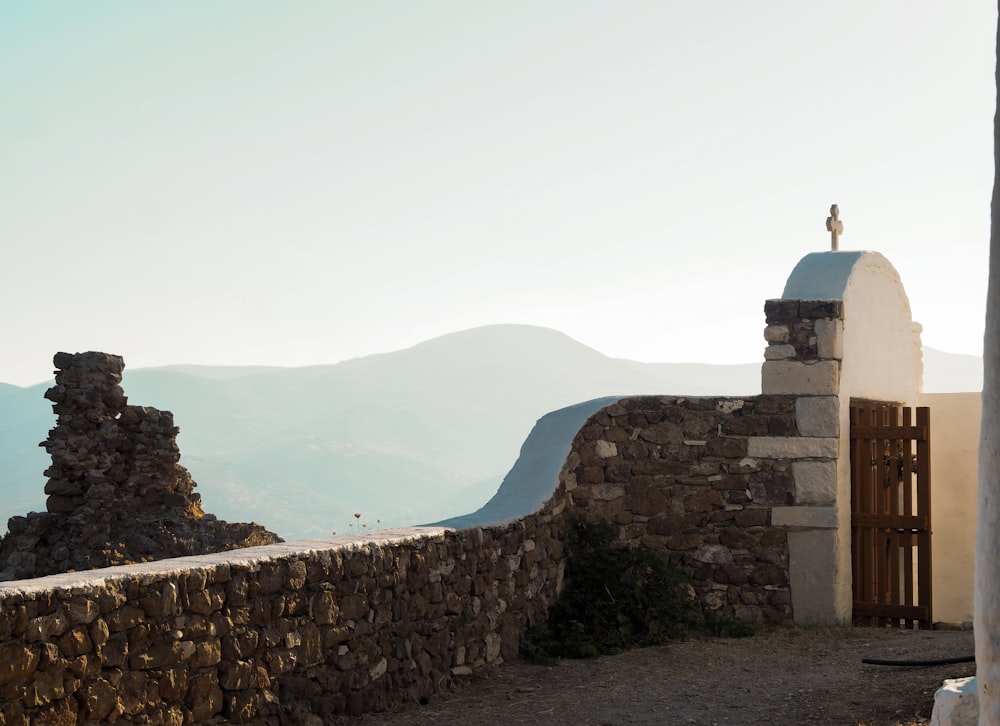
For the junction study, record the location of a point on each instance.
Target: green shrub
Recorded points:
(615, 598)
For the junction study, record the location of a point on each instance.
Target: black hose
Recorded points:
(937, 662)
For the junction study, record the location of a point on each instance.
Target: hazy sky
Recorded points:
(296, 183)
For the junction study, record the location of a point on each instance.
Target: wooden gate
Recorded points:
(891, 515)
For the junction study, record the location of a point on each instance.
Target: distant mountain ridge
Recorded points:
(951, 372)
(416, 435)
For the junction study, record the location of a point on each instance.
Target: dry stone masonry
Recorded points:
(675, 474)
(291, 632)
(278, 634)
(116, 492)
(288, 633)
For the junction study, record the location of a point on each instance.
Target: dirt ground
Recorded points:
(783, 676)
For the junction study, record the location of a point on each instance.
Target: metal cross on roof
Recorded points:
(834, 226)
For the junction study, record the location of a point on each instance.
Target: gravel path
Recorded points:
(784, 676)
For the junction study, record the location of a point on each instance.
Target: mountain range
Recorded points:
(400, 438)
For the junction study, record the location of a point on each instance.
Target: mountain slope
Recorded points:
(25, 420)
(952, 372)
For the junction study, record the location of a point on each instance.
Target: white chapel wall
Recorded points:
(955, 420)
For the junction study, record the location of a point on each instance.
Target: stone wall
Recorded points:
(340, 626)
(675, 474)
(721, 486)
(277, 632)
(116, 490)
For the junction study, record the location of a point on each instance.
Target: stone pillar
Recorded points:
(803, 358)
(86, 459)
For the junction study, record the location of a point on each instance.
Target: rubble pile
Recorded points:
(116, 490)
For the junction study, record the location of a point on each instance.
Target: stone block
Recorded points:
(830, 339)
(237, 675)
(605, 449)
(819, 309)
(793, 377)
(97, 699)
(792, 447)
(713, 554)
(781, 311)
(776, 333)
(818, 416)
(812, 570)
(204, 696)
(17, 662)
(815, 482)
(779, 352)
(768, 575)
(804, 517)
(76, 642)
(82, 610)
(45, 627)
(207, 653)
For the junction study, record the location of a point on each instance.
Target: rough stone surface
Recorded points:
(804, 517)
(815, 483)
(812, 568)
(790, 376)
(830, 338)
(315, 628)
(782, 447)
(779, 352)
(301, 631)
(117, 493)
(818, 416)
(805, 347)
(681, 483)
(776, 333)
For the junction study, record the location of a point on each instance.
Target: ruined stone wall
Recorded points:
(676, 476)
(116, 490)
(279, 631)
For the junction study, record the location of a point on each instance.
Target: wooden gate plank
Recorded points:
(915, 433)
(924, 507)
(890, 521)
